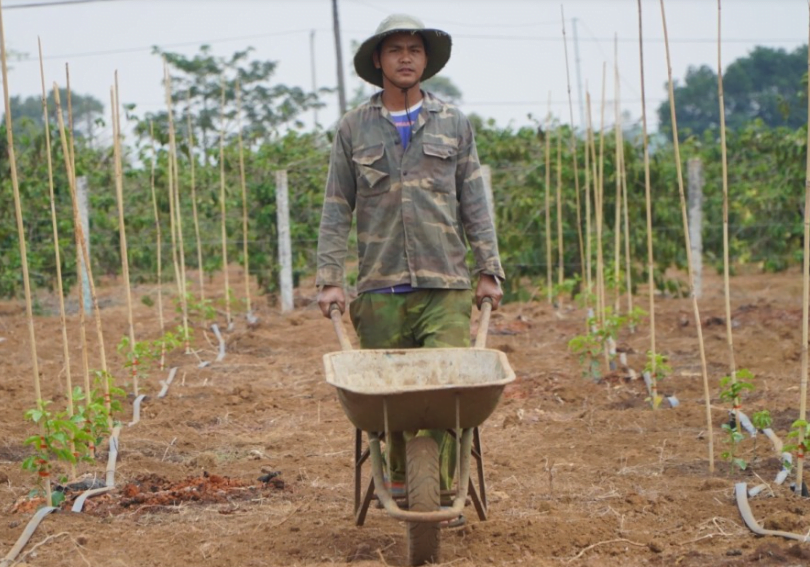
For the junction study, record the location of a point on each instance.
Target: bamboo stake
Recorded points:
(805, 311)
(560, 245)
(244, 199)
(574, 151)
(627, 261)
(191, 161)
(222, 207)
(57, 256)
(71, 132)
(617, 230)
(648, 201)
(122, 231)
(698, 324)
(589, 163)
(726, 279)
(599, 193)
(82, 249)
(174, 198)
(80, 274)
(159, 245)
(547, 148)
(29, 310)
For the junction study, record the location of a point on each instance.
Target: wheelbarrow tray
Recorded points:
(418, 388)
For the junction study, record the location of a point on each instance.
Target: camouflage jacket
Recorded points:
(413, 207)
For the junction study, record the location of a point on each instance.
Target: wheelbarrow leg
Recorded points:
(479, 500)
(360, 457)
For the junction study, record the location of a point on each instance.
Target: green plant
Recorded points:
(588, 348)
(799, 428)
(657, 368)
(733, 438)
(62, 438)
(732, 389)
(761, 420)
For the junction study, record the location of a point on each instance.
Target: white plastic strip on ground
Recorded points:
(741, 492)
(136, 410)
(78, 504)
(168, 382)
(785, 458)
(221, 354)
(26, 535)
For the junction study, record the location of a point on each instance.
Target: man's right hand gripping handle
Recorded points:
(328, 295)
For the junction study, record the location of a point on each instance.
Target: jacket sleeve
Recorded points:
(338, 206)
(479, 226)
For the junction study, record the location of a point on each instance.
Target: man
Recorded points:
(405, 162)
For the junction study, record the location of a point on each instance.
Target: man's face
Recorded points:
(402, 59)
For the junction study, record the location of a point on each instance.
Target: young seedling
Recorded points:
(733, 439)
(657, 368)
(588, 348)
(761, 420)
(62, 439)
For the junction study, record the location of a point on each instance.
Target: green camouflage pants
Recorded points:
(427, 318)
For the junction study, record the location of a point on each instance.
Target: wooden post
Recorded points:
(284, 244)
(84, 216)
(695, 176)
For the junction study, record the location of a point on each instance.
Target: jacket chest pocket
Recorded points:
(440, 166)
(372, 174)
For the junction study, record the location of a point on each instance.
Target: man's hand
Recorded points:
(328, 295)
(488, 286)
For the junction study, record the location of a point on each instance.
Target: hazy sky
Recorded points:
(508, 55)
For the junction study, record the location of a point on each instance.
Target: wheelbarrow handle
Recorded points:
(483, 323)
(340, 329)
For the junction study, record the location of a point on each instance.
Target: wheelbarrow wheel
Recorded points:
(422, 468)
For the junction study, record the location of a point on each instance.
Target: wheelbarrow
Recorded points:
(455, 389)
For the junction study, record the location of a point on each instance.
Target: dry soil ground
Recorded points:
(578, 472)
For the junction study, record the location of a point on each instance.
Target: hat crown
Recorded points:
(399, 22)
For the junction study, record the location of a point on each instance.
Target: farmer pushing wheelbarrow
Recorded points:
(406, 163)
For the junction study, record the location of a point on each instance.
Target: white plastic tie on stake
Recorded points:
(136, 410)
(777, 443)
(647, 382)
(252, 320)
(746, 423)
(787, 464)
(78, 504)
(221, 354)
(168, 382)
(29, 530)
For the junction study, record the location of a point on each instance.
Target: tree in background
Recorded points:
(766, 85)
(87, 111)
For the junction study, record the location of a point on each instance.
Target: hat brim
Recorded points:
(438, 45)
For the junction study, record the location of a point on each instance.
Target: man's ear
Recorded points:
(375, 57)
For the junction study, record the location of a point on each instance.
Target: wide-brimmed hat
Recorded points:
(437, 44)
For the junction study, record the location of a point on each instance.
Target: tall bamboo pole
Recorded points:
(191, 161)
(732, 364)
(222, 207)
(244, 198)
(805, 308)
(626, 227)
(599, 193)
(122, 231)
(648, 202)
(29, 311)
(685, 217)
(560, 241)
(174, 197)
(159, 246)
(81, 247)
(547, 148)
(617, 230)
(574, 151)
(589, 163)
(57, 256)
